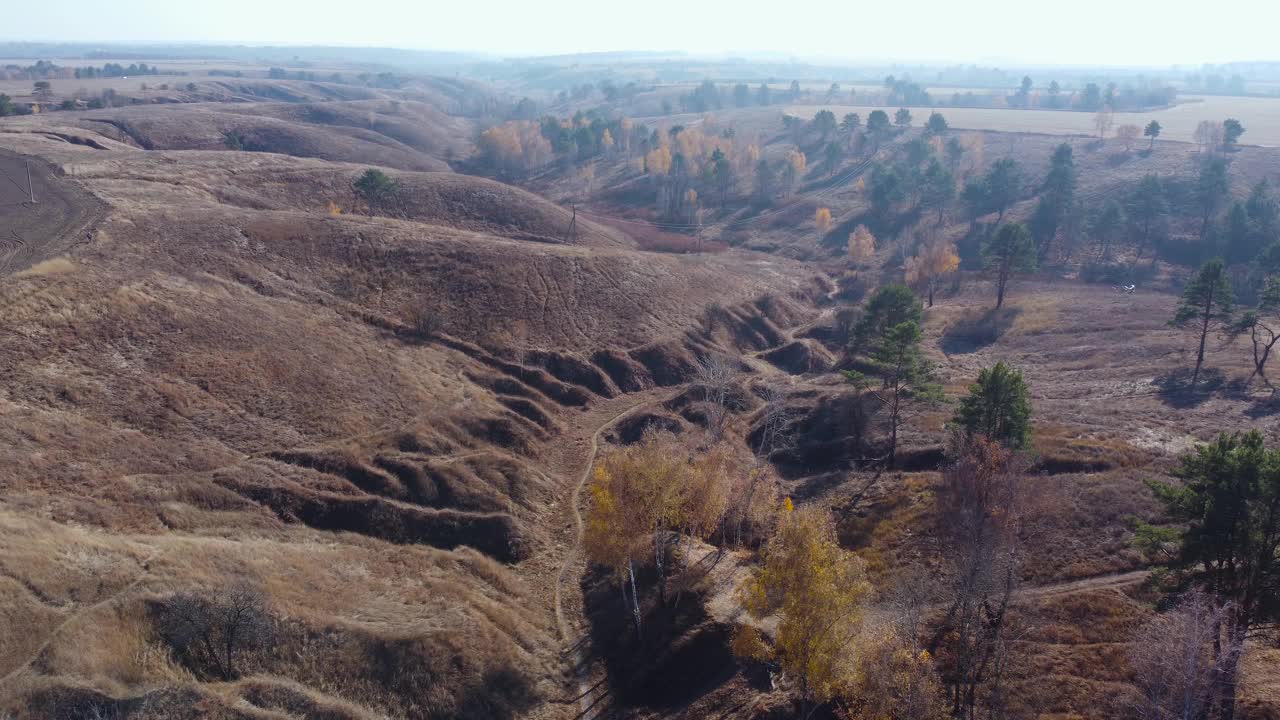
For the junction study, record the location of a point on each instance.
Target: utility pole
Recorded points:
(30, 188)
(572, 235)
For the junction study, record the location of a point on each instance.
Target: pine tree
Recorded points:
(1226, 526)
(904, 372)
(1206, 304)
(997, 407)
(1011, 250)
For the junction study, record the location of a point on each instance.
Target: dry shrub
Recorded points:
(207, 629)
(651, 238)
(975, 329)
(447, 674)
(1064, 449)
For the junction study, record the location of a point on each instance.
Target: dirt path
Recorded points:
(575, 508)
(78, 614)
(1086, 584)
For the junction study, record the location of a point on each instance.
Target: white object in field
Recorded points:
(1130, 288)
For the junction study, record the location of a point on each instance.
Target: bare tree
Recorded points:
(777, 433)
(1102, 121)
(987, 502)
(716, 375)
(208, 629)
(1128, 135)
(1208, 135)
(1173, 660)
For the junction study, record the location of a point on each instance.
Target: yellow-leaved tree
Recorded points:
(658, 161)
(936, 259)
(822, 220)
(862, 245)
(894, 680)
(817, 591)
(793, 170)
(642, 496)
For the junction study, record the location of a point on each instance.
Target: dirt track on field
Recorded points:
(61, 217)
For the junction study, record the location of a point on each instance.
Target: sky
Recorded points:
(1030, 32)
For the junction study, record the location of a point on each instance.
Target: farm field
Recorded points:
(1260, 116)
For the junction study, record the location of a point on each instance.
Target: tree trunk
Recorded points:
(658, 558)
(635, 598)
(1230, 669)
(893, 424)
(1204, 334)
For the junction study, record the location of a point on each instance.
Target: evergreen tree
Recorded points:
(1011, 250)
(1147, 210)
(889, 306)
(1211, 187)
(936, 124)
(1206, 304)
(997, 407)
(1003, 185)
(904, 372)
(1152, 130)
(1226, 526)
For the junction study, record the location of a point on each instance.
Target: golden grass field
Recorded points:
(1260, 116)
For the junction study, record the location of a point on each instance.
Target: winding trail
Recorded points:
(575, 506)
(145, 564)
(586, 697)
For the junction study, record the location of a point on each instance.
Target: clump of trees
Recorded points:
(646, 496)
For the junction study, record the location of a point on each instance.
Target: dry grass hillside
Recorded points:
(229, 377)
(362, 416)
(389, 133)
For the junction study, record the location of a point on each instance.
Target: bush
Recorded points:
(424, 322)
(206, 630)
(376, 188)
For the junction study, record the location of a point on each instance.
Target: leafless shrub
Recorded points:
(424, 320)
(1173, 660)
(207, 629)
(777, 424)
(716, 375)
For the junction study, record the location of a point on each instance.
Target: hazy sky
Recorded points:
(1083, 32)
